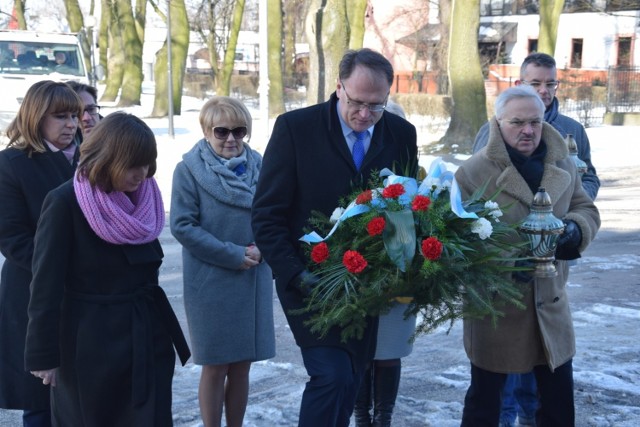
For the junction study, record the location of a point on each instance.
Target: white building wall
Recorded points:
(598, 31)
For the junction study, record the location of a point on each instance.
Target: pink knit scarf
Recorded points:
(118, 219)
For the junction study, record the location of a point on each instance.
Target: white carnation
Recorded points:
(482, 227)
(494, 209)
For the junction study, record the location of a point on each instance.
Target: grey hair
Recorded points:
(395, 108)
(517, 92)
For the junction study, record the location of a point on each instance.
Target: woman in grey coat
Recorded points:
(227, 288)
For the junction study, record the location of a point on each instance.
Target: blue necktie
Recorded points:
(358, 148)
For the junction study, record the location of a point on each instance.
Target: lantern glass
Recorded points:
(542, 229)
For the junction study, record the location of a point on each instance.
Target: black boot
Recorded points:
(386, 380)
(362, 410)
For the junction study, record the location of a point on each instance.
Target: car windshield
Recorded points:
(40, 58)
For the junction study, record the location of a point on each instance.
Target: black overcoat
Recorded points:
(308, 166)
(25, 180)
(97, 313)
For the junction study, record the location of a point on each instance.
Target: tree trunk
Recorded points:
(179, 49)
(441, 55)
(274, 49)
(115, 60)
(76, 25)
(289, 43)
(465, 76)
(550, 11)
(18, 14)
(103, 37)
(132, 47)
(328, 34)
(224, 80)
(74, 15)
(356, 10)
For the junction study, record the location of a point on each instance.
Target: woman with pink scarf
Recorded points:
(101, 331)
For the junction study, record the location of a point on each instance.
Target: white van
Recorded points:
(27, 57)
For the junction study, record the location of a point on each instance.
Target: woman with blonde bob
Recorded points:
(101, 331)
(228, 290)
(40, 155)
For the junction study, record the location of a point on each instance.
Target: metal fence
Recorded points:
(585, 95)
(623, 94)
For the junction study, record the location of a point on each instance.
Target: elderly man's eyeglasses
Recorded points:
(357, 105)
(520, 124)
(553, 85)
(223, 133)
(93, 110)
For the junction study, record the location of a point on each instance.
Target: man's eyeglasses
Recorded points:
(520, 124)
(536, 85)
(93, 110)
(357, 105)
(223, 133)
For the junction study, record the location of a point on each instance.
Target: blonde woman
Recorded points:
(228, 290)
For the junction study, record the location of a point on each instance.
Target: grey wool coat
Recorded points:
(542, 334)
(229, 310)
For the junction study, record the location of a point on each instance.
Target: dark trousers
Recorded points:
(555, 390)
(330, 393)
(40, 418)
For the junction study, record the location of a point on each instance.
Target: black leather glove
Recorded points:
(523, 276)
(569, 241)
(305, 282)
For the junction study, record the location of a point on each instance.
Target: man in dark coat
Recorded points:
(308, 166)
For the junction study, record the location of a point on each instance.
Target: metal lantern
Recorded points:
(573, 152)
(542, 229)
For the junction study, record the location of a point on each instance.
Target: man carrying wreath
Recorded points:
(316, 156)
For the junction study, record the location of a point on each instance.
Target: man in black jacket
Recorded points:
(310, 163)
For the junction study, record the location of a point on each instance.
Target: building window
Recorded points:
(576, 53)
(533, 46)
(624, 52)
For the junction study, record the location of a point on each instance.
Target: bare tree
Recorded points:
(274, 48)
(18, 12)
(356, 10)
(76, 25)
(328, 33)
(465, 77)
(292, 28)
(113, 51)
(132, 46)
(179, 32)
(211, 20)
(550, 11)
(226, 69)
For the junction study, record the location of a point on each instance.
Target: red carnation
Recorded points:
(376, 226)
(420, 203)
(320, 252)
(354, 262)
(364, 197)
(392, 191)
(431, 248)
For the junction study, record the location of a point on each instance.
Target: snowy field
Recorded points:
(604, 288)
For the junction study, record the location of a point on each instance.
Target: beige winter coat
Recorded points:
(543, 332)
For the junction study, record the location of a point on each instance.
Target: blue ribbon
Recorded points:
(438, 178)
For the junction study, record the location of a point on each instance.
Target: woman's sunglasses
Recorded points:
(223, 133)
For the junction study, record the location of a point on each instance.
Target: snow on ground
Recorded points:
(605, 303)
